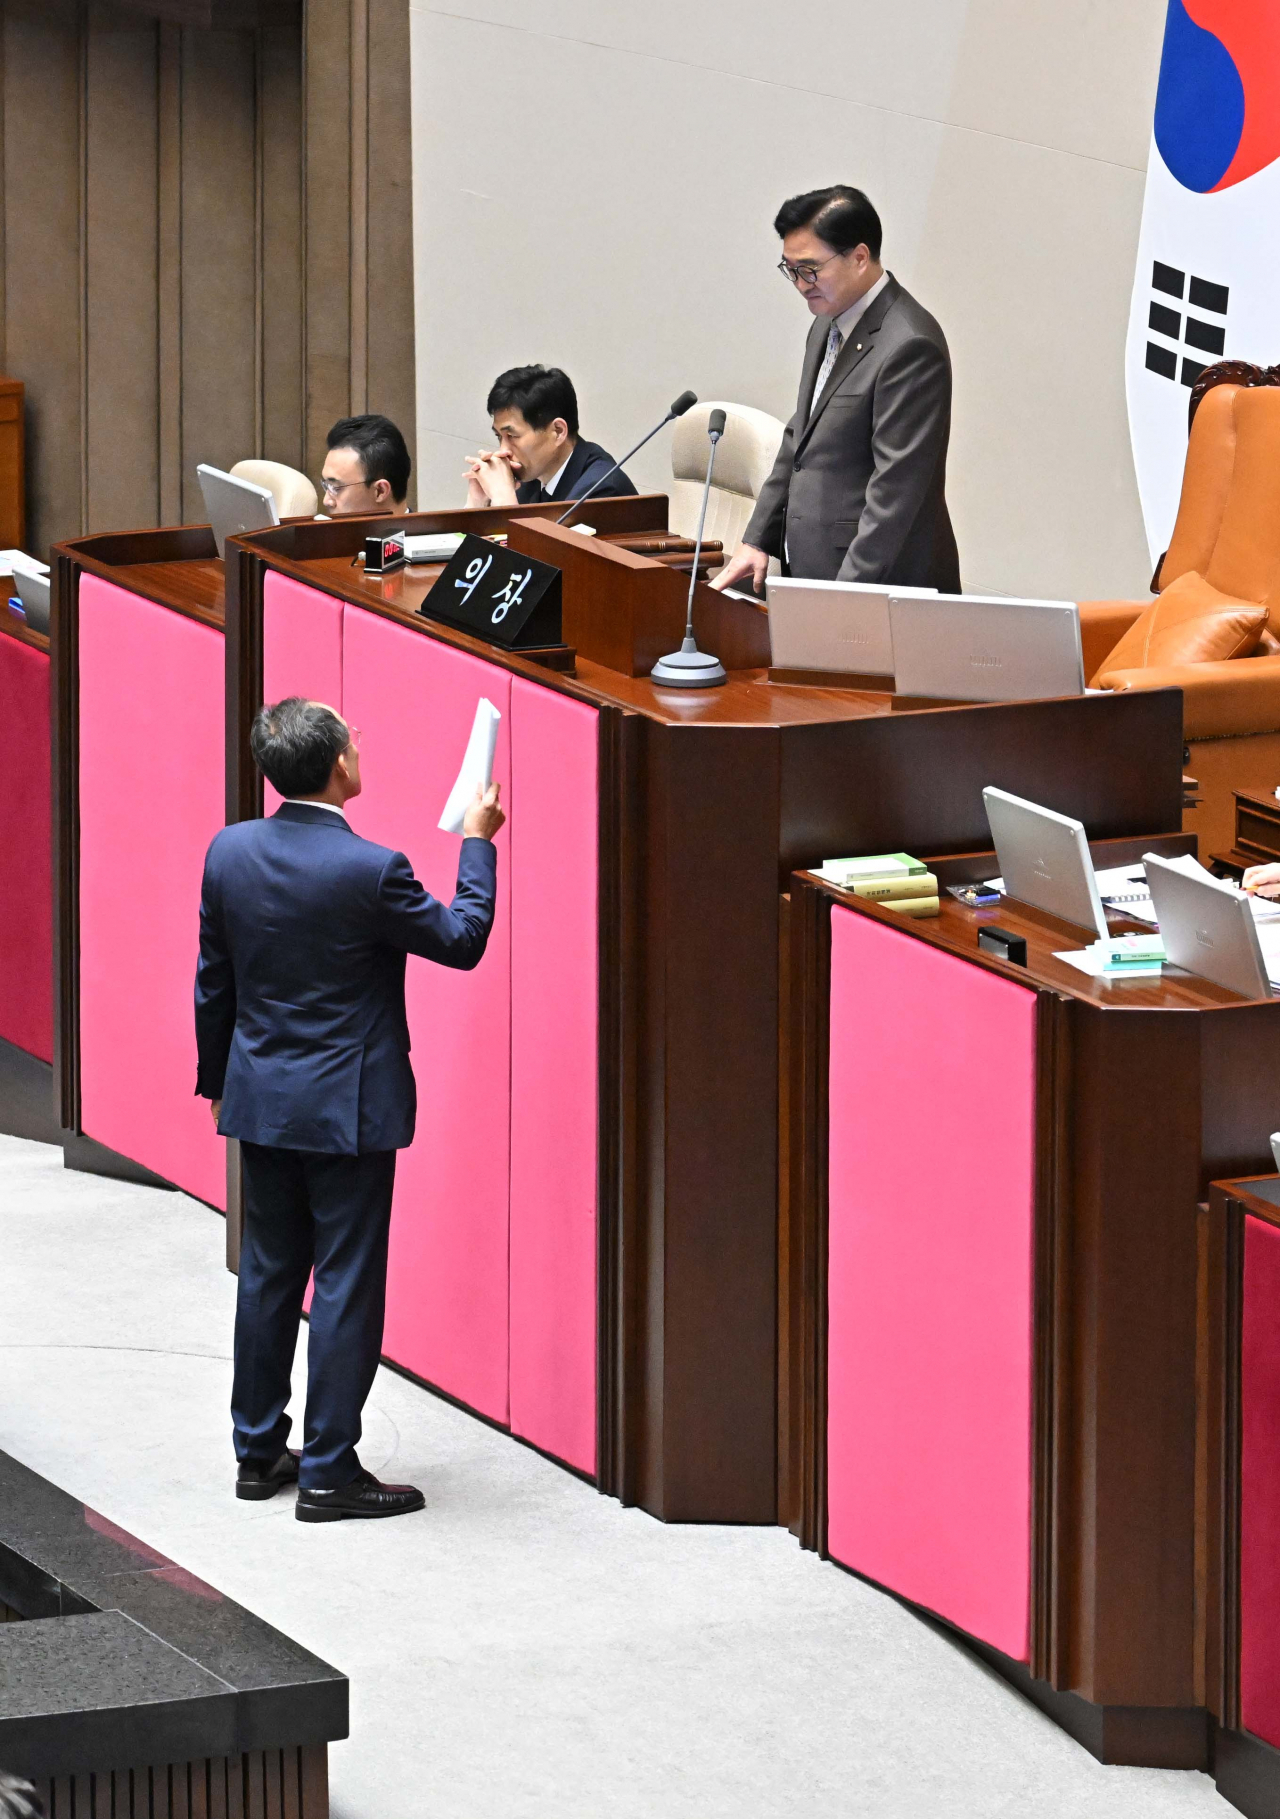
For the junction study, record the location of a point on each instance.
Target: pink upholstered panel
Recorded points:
(930, 1287)
(151, 799)
(1260, 1484)
(414, 701)
(301, 648)
(554, 844)
(26, 864)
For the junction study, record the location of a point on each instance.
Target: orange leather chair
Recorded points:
(1224, 553)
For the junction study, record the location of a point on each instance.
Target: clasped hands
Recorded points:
(491, 479)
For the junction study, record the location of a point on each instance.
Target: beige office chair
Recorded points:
(293, 493)
(744, 456)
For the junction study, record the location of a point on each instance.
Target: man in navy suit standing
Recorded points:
(304, 1050)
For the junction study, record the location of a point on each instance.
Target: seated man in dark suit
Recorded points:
(304, 1050)
(540, 454)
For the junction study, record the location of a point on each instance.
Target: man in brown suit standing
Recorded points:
(858, 490)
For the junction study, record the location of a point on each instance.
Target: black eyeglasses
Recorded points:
(806, 271)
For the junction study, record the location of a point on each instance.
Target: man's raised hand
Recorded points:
(483, 819)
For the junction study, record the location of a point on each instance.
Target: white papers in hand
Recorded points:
(477, 766)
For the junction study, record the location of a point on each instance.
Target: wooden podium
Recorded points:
(122, 1011)
(1008, 1161)
(624, 611)
(1238, 1453)
(703, 802)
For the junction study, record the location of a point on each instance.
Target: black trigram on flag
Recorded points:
(1180, 326)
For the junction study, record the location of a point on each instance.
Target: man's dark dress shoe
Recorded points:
(364, 1496)
(256, 1482)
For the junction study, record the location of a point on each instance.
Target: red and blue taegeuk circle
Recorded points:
(1218, 100)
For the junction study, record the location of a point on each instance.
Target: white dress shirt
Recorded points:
(549, 486)
(309, 802)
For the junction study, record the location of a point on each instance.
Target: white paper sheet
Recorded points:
(17, 562)
(1085, 960)
(432, 546)
(477, 766)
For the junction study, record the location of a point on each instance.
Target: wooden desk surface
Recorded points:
(1255, 1193)
(956, 930)
(177, 567)
(196, 587)
(192, 581)
(748, 698)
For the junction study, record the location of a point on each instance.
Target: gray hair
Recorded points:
(295, 745)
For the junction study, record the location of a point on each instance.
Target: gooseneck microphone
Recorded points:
(689, 667)
(678, 409)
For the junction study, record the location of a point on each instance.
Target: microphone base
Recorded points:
(688, 669)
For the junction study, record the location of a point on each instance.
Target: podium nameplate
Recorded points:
(498, 595)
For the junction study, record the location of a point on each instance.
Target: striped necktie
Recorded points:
(834, 340)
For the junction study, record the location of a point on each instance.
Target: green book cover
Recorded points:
(874, 865)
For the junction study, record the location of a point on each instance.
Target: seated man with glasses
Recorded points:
(367, 468)
(858, 490)
(540, 455)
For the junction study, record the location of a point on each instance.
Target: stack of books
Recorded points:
(1130, 956)
(894, 880)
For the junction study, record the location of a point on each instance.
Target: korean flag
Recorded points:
(1207, 284)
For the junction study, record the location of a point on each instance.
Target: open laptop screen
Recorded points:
(971, 647)
(1044, 859)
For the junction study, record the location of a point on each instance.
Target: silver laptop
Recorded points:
(1207, 928)
(235, 507)
(1044, 859)
(978, 647)
(832, 625)
(33, 591)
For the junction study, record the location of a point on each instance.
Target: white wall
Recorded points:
(594, 182)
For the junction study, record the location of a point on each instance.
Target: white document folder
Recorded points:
(477, 766)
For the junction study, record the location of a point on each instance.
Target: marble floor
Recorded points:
(523, 1649)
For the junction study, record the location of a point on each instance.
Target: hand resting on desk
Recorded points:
(747, 563)
(1263, 880)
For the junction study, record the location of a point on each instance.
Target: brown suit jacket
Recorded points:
(858, 490)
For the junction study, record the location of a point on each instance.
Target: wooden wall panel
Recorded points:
(169, 269)
(327, 166)
(41, 115)
(280, 183)
(219, 257)
(359, 230)
(389, 263)
(122, 391)
(205, 246)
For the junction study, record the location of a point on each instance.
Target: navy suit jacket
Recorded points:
(584, 467)
(300, 1019)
